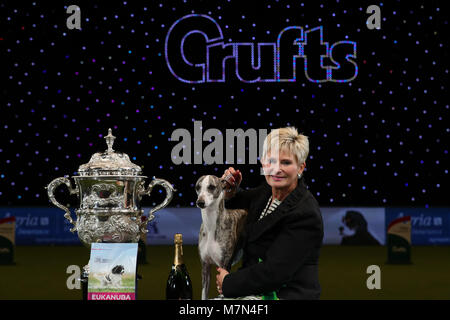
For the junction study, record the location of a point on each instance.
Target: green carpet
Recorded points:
(40, 273)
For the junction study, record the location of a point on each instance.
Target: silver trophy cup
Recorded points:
(110, 188)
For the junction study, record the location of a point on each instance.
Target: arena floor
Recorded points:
(40, 273)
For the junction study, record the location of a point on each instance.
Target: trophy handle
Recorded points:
(51, 195)
(169, 195)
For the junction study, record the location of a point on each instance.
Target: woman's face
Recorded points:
(281, 172)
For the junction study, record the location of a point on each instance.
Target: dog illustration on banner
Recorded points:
(220, 227)
(355, 221)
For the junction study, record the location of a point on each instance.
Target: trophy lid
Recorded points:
(109, 162)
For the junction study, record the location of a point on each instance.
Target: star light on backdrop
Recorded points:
(379, 140)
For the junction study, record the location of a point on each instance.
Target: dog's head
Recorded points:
(354, 220)
(119, 269)
(209, 189)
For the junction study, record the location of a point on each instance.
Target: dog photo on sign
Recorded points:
(112, 268)
(113, 279)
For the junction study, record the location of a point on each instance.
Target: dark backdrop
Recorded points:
(378, 140)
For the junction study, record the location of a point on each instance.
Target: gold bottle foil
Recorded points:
(178, 240)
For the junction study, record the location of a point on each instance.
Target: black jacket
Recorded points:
(287, 241)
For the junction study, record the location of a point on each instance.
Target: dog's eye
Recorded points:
(197, 187)
(211, 187)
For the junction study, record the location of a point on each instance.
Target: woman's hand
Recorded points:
(219, 278)
(233, 179)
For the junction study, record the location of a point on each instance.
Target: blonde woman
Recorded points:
(284, 228)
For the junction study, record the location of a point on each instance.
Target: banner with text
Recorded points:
(342, 226)
(428, 226)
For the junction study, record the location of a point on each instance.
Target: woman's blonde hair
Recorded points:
(289, 140)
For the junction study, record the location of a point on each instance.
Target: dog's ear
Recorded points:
(201, 179)
(199, 182)
(223, 183)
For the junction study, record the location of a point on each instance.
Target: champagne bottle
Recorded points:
(179, 286)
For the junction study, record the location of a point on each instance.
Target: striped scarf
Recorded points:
(270, 207)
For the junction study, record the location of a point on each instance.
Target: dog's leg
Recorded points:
(206, 273)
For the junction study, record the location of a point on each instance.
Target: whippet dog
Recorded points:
(220, 227)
